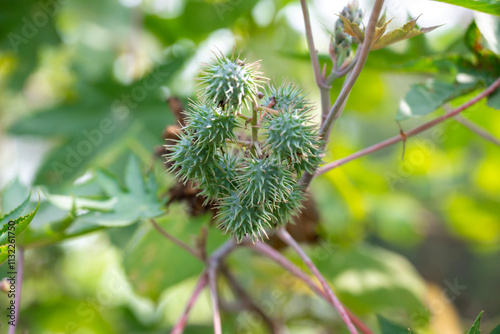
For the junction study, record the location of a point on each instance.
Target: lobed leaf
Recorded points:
(409, 30)
(353, 29)
(380, 38)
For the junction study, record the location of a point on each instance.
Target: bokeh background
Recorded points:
(414, 240)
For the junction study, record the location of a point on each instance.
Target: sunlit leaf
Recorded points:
(486, 6)
(489, 26)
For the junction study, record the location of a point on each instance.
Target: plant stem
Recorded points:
(246, 300)
(343, 71)
(274, 255)
(19, 285)
(181, 323)
(176, 241)
(349, 83)
(290, 241)
(410, 133)
(212, 282)
(324, 89)
(255, 128)
(213, 263)
(310, 43)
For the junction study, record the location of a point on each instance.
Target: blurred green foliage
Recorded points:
(87, 81)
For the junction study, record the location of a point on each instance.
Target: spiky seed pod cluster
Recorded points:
(190, 161)
(255, 185)
(226, 169)
(231, 82)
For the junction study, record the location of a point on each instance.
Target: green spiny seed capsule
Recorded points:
(290, 138)
(224, 182)
(191, 161)
(286, 95)
(285, 211)
(240, 218)
(231, 82)
(265, 182)
(210, 124)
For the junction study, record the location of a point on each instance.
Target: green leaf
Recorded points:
(88, 128)
(13, 194)
(496, 330)
(199, 19)
(138, 201)
(423, 99)
(21, 36)
(476, 325)
(407, 31)
(68, 202)
(15, 213)
(18, 225)
(389, 327)
(494, 100)
(485, 6)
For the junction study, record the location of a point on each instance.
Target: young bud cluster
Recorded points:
(342, 42)
(252, 177)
